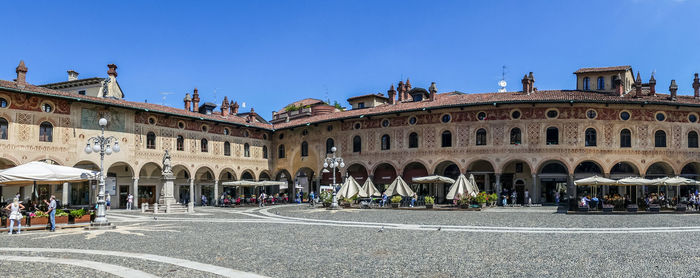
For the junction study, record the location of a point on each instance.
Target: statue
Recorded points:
(167, 167)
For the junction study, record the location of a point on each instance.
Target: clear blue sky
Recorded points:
(270, 53)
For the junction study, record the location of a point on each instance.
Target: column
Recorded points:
(534, 195)
(216, 193)
(498, 187)
(192, 191)
(64, 197)
(135, 192)
(571, 192)
(487, 182)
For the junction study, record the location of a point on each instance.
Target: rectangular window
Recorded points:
(81, 92)
(361, 105)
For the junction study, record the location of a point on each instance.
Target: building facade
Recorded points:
(531, 140)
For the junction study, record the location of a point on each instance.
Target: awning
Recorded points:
(44, 173)
(595, 180)
(433, 179)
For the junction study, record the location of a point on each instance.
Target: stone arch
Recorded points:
(587, 168)
(87, 164)
(538, 167)
(546, 167)
(412, 170)
(181, 171)
(623, 169)
(659, 169)
(384, 173)
(481, 165)
(149, 183)
(503, 167)
(358, 172)
(691, 170)
(448, 169)
(284, 175)
(483, 171)
(264, 175)
(8, 161)
(227, 174)
(52, 159)
(305, 177)
(515, 170)
(150, 170)
(415, 160)
(248, 174)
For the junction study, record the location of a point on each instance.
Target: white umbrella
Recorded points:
(399, 187)
(369, 190)
(461, 187)
(632, 181)
(474, 187)
(44, 173)
(245, 183)
(349, 189)
(594, 180)
(679, 181)
(433, 179)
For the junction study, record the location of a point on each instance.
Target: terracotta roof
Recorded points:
(31, 89)
(378, 95)
(303, 102)
(453, 99)
(584, 70)
(79, 82)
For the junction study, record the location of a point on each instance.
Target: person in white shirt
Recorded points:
(527, 198)
(15, 215)
(130, 202)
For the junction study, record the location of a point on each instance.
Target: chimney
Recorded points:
(531, 80)
(620, 90)
(251, 116)
(696, 86)
(230, 108)
(21, 73)
(638, 86)
(673, 89)
(224, 107)
(408, 88)
(234, 108)
(72, 75)
(652, 85)
(526, 85)
(195, 100)
(433, 90)
(402, 90)
(392, 95)
(188, 102)
(112, 72)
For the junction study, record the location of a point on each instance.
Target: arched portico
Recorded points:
(149, 183)
(416, 170)
(204, 185)
(483, 172)
(230, 192)
(448, 169)
(121, 175)
(358, 172)
(284, 176)
(552, 178)
(384, 174)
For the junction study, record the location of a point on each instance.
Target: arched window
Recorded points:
(515, 136)
(446, 139)
(601, 83)
(304, 149)
(150, 140)
(586, 83)
(413, 140)
(692, 139)
(264, 151)
(3, 129)
(227, 148)
(46, 132)
(180, 143)
(280, 151)
(329, 145)
(625, 138)
(357, 144)
(660, 139)
(552, 136)
(386, 142)
(246, 150)
(591, 137)
(205, 145)
(481, 137)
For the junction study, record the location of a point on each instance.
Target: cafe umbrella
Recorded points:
(44, 173)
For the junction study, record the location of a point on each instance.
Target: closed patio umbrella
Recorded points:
(461, 187)
(474, 188)
(369, 190)
(349, 189)
(399, 187)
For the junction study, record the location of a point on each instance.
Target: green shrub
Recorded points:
(77, 213)
(61, 213)
(466, 199)
(396, 199)
(326, 197)
(429, 200)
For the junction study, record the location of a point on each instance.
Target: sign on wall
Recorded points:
(111, 185)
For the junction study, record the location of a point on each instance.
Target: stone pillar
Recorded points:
(534, 195)
(135, 192)
(190, 205)
(571, 192)
(498, 187)
(487, 182)
(64, 195)
(216, 193)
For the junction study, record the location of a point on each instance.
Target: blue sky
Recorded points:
(270, 53)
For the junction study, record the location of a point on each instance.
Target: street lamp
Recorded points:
(333, 162)
(102, 145)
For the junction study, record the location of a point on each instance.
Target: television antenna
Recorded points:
(165, 95)
(502, 84)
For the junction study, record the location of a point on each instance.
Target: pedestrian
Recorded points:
(261, 202)
(52, 212)
(556, 197)
(513, 197)
(312, 200)
(109, 201)
(221, 199)
(384, 198)
(130, 202)
(527, 198)
(15, 209)
(298, 199)
(504, 197)
(204, 200)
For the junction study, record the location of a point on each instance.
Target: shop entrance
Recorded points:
(147, 194)
(123, 195)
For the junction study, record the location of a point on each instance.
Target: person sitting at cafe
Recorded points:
(585, 200)
(594, 202)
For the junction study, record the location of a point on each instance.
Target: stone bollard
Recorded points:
(144, 207)
(167, 207)
(155, 208)
(190, 207)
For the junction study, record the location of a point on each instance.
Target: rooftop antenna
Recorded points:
(502, 84)
(325, 89)
(165, 95)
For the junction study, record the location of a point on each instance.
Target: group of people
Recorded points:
(511, 197)
(261, 199)
(15, 208)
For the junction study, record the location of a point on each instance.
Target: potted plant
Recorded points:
(345, 202)
(80, 216)
(37, 218)
(429, 202)
(395, 201)
(465, 201)
(326, 199)
(493, 198)
(61, 217)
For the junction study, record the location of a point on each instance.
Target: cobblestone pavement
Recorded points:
(298, 241)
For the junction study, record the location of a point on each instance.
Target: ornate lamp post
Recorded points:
(101, 145)
(332, 162)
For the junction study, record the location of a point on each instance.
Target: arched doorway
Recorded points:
(690, 171)
(446, 169)
(80, 193)
(588, 169)
(655, 171)
(270, 190)
(149, 183)
(284, 176)
(121, 176)
(358, 172)
(304, 178)
(623, 170)
(384, 174)
(182, 184)
(204, 186)
(553, 178)
(515, 175)
(229, 192)
(416, 170)
(483, 175)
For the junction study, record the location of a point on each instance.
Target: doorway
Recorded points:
(123, 195)
(147, 194)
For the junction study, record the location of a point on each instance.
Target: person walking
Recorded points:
(130, 202)
(109, 201)
(312, 199)
(15, 209)
(204, 200)
(261, 202)
(513, 197)
(504, 197)
(527, 198)
(52, 212)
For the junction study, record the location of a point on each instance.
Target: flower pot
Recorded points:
(429, 206)
(82, 219)
(483, 205)
(345, 205)
(394, 205)
(62, 219)
(464, 206)
(37, 221)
